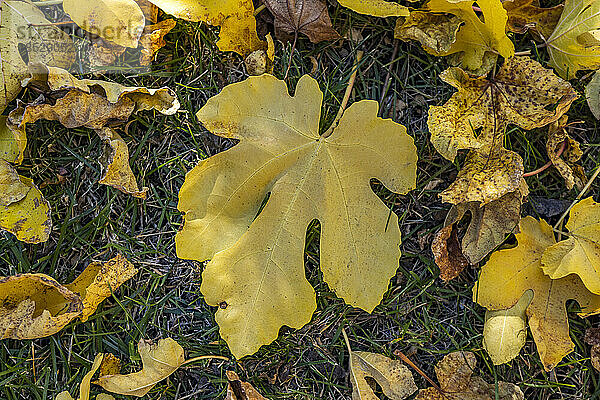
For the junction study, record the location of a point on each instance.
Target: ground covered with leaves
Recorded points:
(420, 315)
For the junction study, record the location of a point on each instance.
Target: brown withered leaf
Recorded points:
(527, 15)
(153, 39)
(240, 390)
(592, 337)
(117, 172)
(149, 10)
(448, 254)
(435, 32)
(303, 16)
(103, 53)
(565, 163)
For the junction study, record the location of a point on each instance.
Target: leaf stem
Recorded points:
(548, 164)
(346, 98)
(191, 360)
(346, 340)
(259, 9)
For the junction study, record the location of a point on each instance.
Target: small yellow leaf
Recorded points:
(11, 187)
(455, 374)
(84, 387)
(117, 172)
(235, 17)
(510, 273)
(376, 8)
(153, 39)
(436, 32)
(158, 360)
(504, 331)
(580, 253)
(118, 21)
(527, 15)
(12, 142)
(575, 44)
(111, 365)
(243, 391)
(395, 378)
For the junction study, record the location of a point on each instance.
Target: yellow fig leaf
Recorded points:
(11, 187)
(575, 42)
(84, 387)
(521, 93)
(376, 8)
(580, 253)
(395, 378)
(308, 177)
(510, 273)
(478, 35)
(159, 361)
(504, 331)
(245, 391)
(29, 218)
(525, 15)
(435, 32)
(455, 374)
(117, 172)
(235, 17)
(118, 21)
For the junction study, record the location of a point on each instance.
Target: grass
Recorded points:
(419, 315)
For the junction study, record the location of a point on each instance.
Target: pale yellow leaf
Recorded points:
(395, 378)
(84, 387)
(376, 8)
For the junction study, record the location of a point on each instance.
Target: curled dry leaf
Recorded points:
(260, 61)
(505, 332)
(303, 16)
(575, 43)
(395, 378)
(436, 32)
(235, 17)
(150, 11)
(102, 53)
(447, 253)
(510, 273)
(84, 387)
(527, 15)
(308, 177)
(111, 365)
(565, 161)
(35, 305)
(580, 253)
(118, 21)
(153, 39)
(455, 374)
(158, 362)
(376, 8)
(592, 337)
(239, 390)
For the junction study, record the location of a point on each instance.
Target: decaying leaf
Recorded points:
(117, 172)
(565, 161)
(436, 32)
(448, 254)
(592, 337)
(395, 378)
(111, 365)
(84, 387)
(305, 16)
(103, 53)
(592, 95)
(580, 253)
(235, 17)
(153, 39)
(510, 273)
(505, 332)
(35, 305)
(150, 11)
(118, 21)
(308, 177)
(158, 362)
(527, 15)
(455, 374)
(261, 61)
(477, 36)
(12, 142)
(11, 187)
(376, 8)
(240, 390)
(575, 42)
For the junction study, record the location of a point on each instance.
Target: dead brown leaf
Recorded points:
(303, 16)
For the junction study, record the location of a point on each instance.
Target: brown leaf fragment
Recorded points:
(240, 390)
(149, 10)
(527, 15)
(117, 172)
(592, 337)
(111, 365)
(448, 253)
(261, 61)
(455, 374)
(305, 16)
(435, 32)
(103, 53)
(153, 39)
(564, 153)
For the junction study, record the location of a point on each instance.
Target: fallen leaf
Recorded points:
(149, 10)
(117, 172)
(592, 94)
(376, 8)
(35, 305)
(436, 32)
(261, 61)
(575, 43)
(12, 142)
(566, 161)
(448, 254)
(510, 273)
(158, 362)
(118, 21)
(527, 15)
(395, 378)
(580, 253)
(111, 365)
(11, 187)
(103, 53)
(239, 390)
(455, 374)
(305, 16)
(308, 177)
(235, 17)
(505, 332)
(153, 39)
(477, 36)
(84, 387)
(592, 337)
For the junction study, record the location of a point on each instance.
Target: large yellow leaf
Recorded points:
(119, 21)
(159, 361)
(580, 253)
(478, 35)
(510, 273)
(376, 8)
(257, 270)
(235, 17)
(575, 43)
